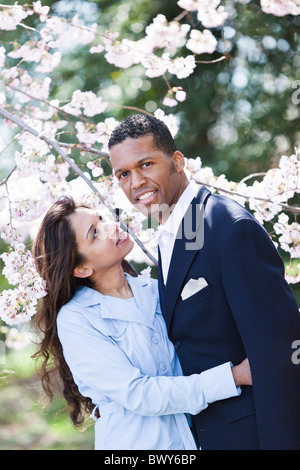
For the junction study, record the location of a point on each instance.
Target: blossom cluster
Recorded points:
(209, 12)
(266, 199)
(161, 35)
(87, 101)
(18, 305)
(281, 7)
(41, 176)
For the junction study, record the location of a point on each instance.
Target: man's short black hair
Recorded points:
(141, 125)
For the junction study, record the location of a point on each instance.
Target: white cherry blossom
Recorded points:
(182, 67)
(164, 34)
(170, 120)
(281, 7)
(211, 18)
(49, 62)
(97, 49)
(11, 17)
(41, 10)
(83, 35)
(180, 95)
(202, 42)
(18, 305)
(121, 53)
(156, 66)
(30, 54)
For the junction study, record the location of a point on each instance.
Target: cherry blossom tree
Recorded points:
(44, 166)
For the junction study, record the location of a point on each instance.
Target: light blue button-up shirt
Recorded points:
(120, 356)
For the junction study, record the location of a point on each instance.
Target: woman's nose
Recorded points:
(111, 231)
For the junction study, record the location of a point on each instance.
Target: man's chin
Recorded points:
(158, 211)
(144, 209)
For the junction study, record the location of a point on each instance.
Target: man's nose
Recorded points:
(137, 179)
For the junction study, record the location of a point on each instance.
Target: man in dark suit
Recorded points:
(222, 290)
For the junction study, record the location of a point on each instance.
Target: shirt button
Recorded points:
(163, 366)
(155, 340)
(177, 345)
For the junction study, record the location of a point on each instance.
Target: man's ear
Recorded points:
(82, 272)
(178, 159)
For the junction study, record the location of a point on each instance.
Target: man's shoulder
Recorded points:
(225, 208)
(221, 212)
(222, 204)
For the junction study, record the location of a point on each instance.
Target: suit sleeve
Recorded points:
(267, 316)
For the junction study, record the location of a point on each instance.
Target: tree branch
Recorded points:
(294, 209)
(3, 182)
(59, 110)
(84, 148)
(55, 145)
(211, 61)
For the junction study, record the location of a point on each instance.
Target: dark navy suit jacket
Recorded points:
(246, 310)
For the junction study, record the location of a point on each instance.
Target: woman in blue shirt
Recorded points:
(103, 331)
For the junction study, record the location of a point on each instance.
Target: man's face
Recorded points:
(150, 179)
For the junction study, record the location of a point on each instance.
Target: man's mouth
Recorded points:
(146, 197)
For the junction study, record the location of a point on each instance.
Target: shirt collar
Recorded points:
(174, 220)
(140, 309)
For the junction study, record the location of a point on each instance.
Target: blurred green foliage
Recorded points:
(25, 422)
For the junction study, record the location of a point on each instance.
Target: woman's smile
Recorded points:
(123, 237)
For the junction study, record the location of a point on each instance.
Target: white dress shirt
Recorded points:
(169, 230)
(120, 356)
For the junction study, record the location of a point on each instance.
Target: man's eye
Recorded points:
(147, 164)
(123, 175)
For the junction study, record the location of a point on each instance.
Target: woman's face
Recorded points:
(100, 242)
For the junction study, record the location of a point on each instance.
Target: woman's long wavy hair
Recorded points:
(56, 255)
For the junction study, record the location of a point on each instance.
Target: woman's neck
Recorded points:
(113, 283)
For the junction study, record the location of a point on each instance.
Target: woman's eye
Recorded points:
(95, 233)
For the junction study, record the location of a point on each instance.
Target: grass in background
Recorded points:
(24, 423)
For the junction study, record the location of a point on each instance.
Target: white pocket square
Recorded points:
(193, 286)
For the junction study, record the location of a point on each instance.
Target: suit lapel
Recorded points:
(189, 240)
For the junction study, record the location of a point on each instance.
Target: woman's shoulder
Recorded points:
(84, 297)
(91, 307)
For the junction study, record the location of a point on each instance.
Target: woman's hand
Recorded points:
(242, 373)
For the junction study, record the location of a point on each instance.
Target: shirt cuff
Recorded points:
(219, 383)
